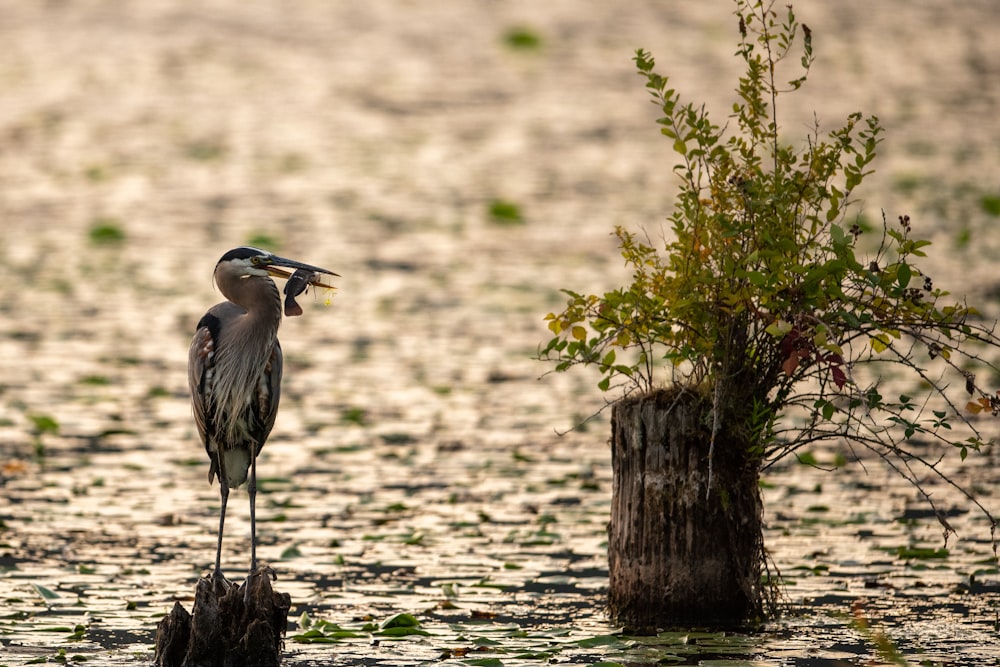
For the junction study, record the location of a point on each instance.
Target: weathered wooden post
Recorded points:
(229, 626)
(684, 542)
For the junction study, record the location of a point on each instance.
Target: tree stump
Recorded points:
(682, 550)
(229, 626)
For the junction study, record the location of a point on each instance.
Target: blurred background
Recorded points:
(456, 163)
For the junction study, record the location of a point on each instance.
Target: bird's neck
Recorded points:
(259, 297)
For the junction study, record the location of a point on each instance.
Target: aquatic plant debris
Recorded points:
(396, 130)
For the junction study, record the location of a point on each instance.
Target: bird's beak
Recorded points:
(279, 268)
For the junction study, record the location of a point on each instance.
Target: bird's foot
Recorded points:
(220, 584)
(259, 571)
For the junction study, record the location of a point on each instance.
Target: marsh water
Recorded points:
(429, 494)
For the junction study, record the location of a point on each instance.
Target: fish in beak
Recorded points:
(299, 280)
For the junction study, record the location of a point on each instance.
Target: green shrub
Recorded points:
(762, 297)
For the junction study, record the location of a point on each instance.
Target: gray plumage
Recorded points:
(234, 372)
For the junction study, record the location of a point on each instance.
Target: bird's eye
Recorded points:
(255, 260)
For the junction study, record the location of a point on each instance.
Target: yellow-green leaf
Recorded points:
(880, 343)
(579, 333)
(779, 328)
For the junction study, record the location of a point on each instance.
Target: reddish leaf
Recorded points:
(982, 405)
(790, 342)
(839, 377)
(791, 363)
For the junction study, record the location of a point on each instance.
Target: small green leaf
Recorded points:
(313, 637)
(106, 231)
(837, 235)
(44, 423)
(600, 640)
(505, 213)
(400, 620)
(291, 552)
(522, 38)
(880, 342)
(903, 275)
(921, 552)
(991, 205)
(46, 593)
(402, 632)
(779, 328)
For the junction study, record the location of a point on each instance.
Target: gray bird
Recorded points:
(234, 371)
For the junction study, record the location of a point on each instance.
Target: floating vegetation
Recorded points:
(264, 241)
(354, 415)
(522, 38)
(991, 205)
(44, 424)
(429, 290)
(921, 553)
(503, 212)
(106, 231)
(205, 150)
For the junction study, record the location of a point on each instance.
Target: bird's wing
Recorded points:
(201, 372)
(268, 395)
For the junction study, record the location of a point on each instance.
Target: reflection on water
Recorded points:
(415, 466)
(496, 554)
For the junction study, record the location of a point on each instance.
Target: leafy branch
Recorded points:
(768, 295)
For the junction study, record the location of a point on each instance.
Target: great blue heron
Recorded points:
(234, 370)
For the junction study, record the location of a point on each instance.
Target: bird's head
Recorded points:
(246, 262)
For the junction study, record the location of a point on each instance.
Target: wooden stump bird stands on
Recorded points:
(685, 545)
(230, 625)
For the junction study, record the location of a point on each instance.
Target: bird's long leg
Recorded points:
(252, 492)
(224, 493)
(222, 523)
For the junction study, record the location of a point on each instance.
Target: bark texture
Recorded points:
(229, 626)
(685, 545)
